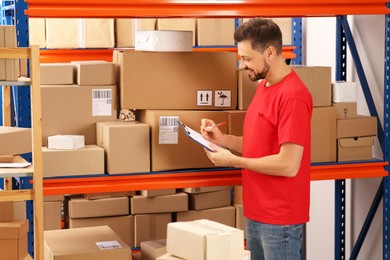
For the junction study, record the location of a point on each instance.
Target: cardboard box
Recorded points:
(179, 24)
(84, 208)
(74, 110)
(169, 41)
(168, 143)
(15, 140)
(237, 194)
(197, 190)
(50, 198)
(125, 30)
(352, 149)
(172, 86)
(323, 134)
(126, 146)
(11, 65)
(96, 33)
(94, 73)
(344, 91)
(2, 61)
(357, 127)
(98, 243)
(168, 256)
(224, 215)
(246, 90)
(240, 218)
(123, 226)
(106, 195)
(346, 109)
(6, 211)
(84, 161)
(204, 239)
(65, 142)
(208, 200)
(37, 32)
(150, 250)
(318, 80)
(61, 33)
(236, 122)
(155, 193)
(215, 32)
(13, 240)
(56, 73)
(150, 227)
(20, 211)
(52, 215)
(6, 158)
(160, 204)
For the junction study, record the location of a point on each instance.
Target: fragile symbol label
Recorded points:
(223, 98)
(204, 98)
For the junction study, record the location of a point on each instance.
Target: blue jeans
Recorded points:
(274, 242)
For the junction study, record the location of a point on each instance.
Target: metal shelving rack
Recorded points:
(235, 9)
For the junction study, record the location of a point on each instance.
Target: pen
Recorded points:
(221, 124)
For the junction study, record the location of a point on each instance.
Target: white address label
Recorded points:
(168, 130)
(108, 245)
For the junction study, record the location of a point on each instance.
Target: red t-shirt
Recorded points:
(278, 114)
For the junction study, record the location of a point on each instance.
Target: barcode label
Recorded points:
(168, 130)
(101, 102)
(108, 245)
(101, 93)
(168, 121)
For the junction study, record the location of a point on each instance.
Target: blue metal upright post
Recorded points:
(297, 40)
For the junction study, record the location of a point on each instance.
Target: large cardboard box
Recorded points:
(56, 73)
(357, 127)
(15, 140)
(171, 149)
(179, 24)
(169, 41)
(204, 239)
(52, 215)
(224, 215)
(160, 204)
(84, 161)
(61, 33)
(74, 110)
(13, 240)
(125, 30)
(150, 227)
(318, 80)
(98, 243)
(152, 249)
(246, 90)
(84, 208)
(11, 65)
(352, 149)
(123, 226)
(323, 134)
(6, 211)
(126, 146)
(96, 33)
(94, 73)
(346, 109)
(208, 200)
(236, 122)
(37, 32)
(215, 32)
(181, 80)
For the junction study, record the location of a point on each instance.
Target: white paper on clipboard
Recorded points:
(196, 136)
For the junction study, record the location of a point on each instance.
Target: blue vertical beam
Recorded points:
(386, 146)
(297, 40)
(341, 74)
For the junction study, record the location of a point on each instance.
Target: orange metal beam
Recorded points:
(218, 177)
(199, 8)
(66, 55)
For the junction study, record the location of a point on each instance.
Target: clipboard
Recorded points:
(195, 136)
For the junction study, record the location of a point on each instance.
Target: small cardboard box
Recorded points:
(215, 32)
(170, 41)
(344, 91)
(6, 211)
(125, 30)
(224, 215)
(126, 146)
(123, 226)
(180, 24)
(352, 149)
(94, 73)
(181, 80)
(61, 33)
(357, 127)
(84, 161)
(155, 193)
(208, 200)
(15, 140)
(96, 33)
(52, 215)
(323, 134)
(150, 227)
(13, 240)
(65, 142)
(204, 239)
(152, 249)
(98, 243)
(168, 143)
(56, 74)
(346, 109)
(160, 204)
(84, 208)
(318, 80)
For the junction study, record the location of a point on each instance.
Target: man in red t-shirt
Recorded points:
(275, 146)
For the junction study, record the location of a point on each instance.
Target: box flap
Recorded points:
(355, 142)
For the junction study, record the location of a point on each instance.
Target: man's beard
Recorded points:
(261, 75)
